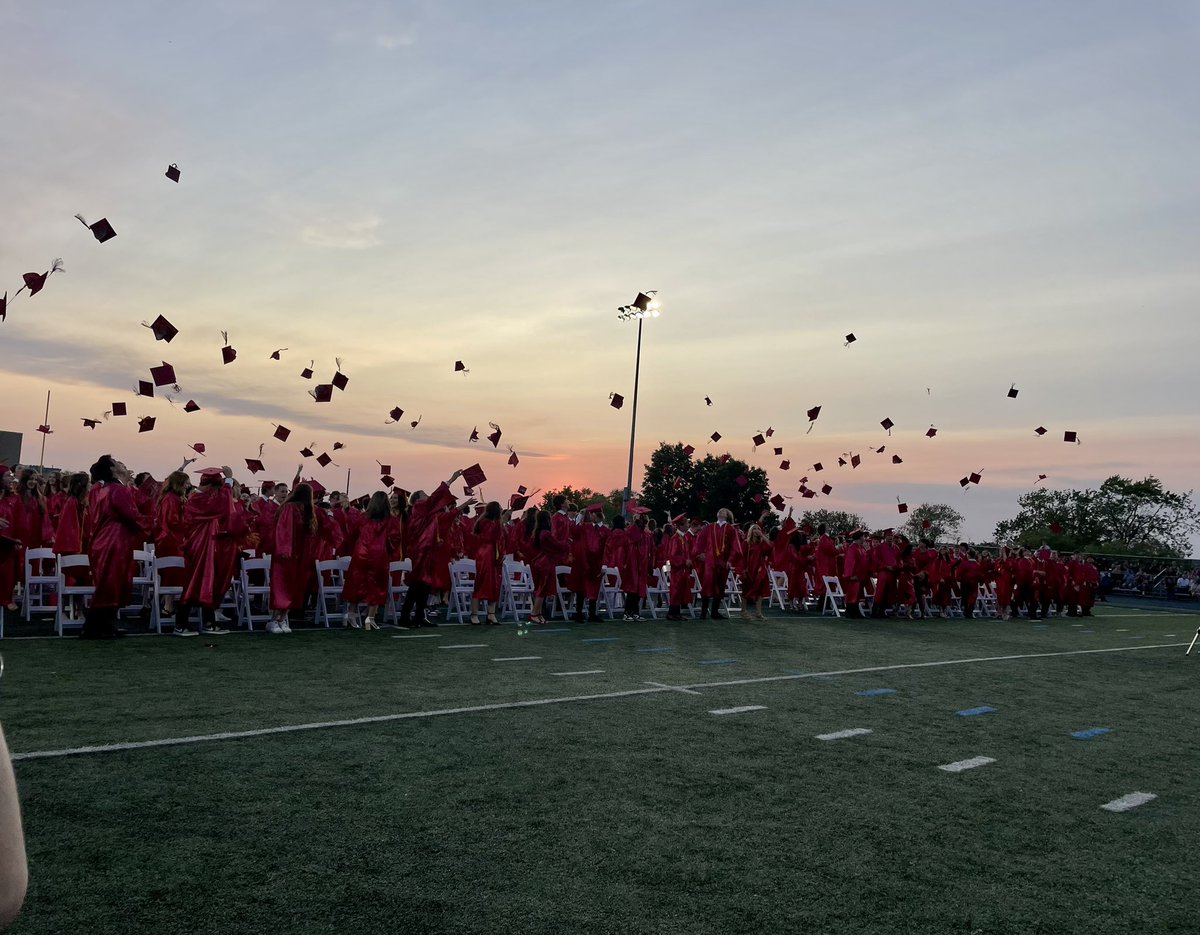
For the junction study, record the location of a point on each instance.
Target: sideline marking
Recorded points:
(967, 764)
(601, 639)
(673, 688)
(973, 712)
(539, 702)
(718, 662)
(1126, 802)
(510, 658)
(418, 636)
(658, 649)
(583, 672)
(742, 710)
(843, 734)
(875, 692)
(465, 646)
(1091, 732)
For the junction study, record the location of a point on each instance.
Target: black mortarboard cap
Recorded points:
(306, 452)
(616, 400)
(715, 436)
(1040, 430)
(474, 476)
(826, 489)
(172, 172)
(119, 409)
(850, 339)
(778, 452)
(785, 465)
(322, 392)
(323, 459)
(930, 432)
(887, 424)
(494, 438)
(163, 375)
(282, 432)
(1070, 437)
(340, 380)
(896, 459)
(818, 466)
(146, 424)
(101, 229)
(254, 466)
(460, 367)
(145, 388)
(191, 406)
(163, 329)
(1013, 391)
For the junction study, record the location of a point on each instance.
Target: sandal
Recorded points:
(492, 621)
(537, 619)
(474, 620)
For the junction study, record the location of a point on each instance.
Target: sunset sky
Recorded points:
(985, 194)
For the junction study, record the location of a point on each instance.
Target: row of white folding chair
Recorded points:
(331, 579)
(39, 583)
(516, 590)
(462, 586)
(397, 588)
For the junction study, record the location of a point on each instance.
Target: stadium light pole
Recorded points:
(646, 305)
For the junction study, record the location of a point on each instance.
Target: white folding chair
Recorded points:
(160, 590)
(733, 591)
(397, 588)
(986, 601)
(462, 586)
(562, 594)
(779, 589)
(329, 592)
(143, 582)
(516, 592)
(252, 595)
(658, 592)
(610, 590)
(694, 607)
(39, 586)
(65, 592)
(835, 597)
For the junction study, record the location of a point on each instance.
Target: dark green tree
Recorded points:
(945, 523)
(836, 521)
(675, 482)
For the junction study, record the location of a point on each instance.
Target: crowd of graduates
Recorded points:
(107, 514)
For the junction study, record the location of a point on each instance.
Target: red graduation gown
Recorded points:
(211, 529)
(756, 583)
(370, 548)
(291, 563)
(423, 534)
(489, 538)
(549, 551)
(117, 529)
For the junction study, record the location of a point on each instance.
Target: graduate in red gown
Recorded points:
(968, 573)
(826, 559)
(10, 538)
(487, 534)
(716, 547)
(560, 521)
(855, 572)
(266, 515)
(212, 526)
(421, 545)
(117, 529)
(678, 554)
(168, 528)
(588, 541)
(756, 582)
(296, 544)
(68, 534)
(549, 551)
(370, 547)
(885, 561)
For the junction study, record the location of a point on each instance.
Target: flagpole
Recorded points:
(347, 485)
(46, 423)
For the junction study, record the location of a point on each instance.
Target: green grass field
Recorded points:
(618, 805)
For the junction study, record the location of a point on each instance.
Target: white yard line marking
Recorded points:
(511, 658)
(967, 764)
(465, 646)
(1126, 630)
(1126, 802)
(843, 734)
(539, 702)
(673, 688)
(742, 710)
(583, 672)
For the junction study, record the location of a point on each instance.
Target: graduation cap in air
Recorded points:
(769, 432)
(119, 409)
(145, 388)
(826, 489)
(842, 462)
(930, 432)
(282, 432)
(887, 424)
(964, 481)
(517, 502)
(850, 339)
(689, 450)
(254, 466)
(277, 354)
(818, 466)
(163, 329)
(306, 452)
(387, 480)
(4, 306)
(1071, 437)
(35, 282)
(494, 438)
(417, 421)
(901, 507)
(172, 172)
(896, 459)
(163, 375)
(322, 392)
(1040, 430)
(473, 476)
(340, 380)
(307, 372)
(616, 400)
(324, 460)
(1040, 478)
(715, 436)
(101, 230)
(809, 494)
(90, 423)
(395, 414)
(881, 449)
(855, 461)
(145, 424)
(338, 446)
(198, 447)
(474, 435)
(45, 430)
(785, 465)
(460, 367)
(777, 502)
(191, 406)
(707, 401)
(384, 468)
(228, 354)
(741, 480)
(512, 458)
(1013, 391)
(758, 440)
(521, 488)
(974, 477)
(778, 452)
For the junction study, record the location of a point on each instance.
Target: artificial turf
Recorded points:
(634, 813)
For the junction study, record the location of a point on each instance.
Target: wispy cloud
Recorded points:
(357, 234)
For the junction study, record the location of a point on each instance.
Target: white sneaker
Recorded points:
(275, 627)
(185, 631)
(286, 627)
(214, 631)
(220, 617)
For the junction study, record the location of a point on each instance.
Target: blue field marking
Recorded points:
(658, 649)
(875, 692)
(717, 662)
(601, 639)
(1091, 732)
(972, 712)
